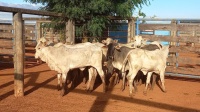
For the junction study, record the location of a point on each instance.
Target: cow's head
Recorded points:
(109, 66)
(111, 47)
(41, 43)
(108, 41)
(138, 41)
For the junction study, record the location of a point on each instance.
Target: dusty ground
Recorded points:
(40, 88)
(41, 95)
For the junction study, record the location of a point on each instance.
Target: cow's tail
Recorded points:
(126, 58)
(123, 68)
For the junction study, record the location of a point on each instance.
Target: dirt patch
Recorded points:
(41, 94)
(40, 88)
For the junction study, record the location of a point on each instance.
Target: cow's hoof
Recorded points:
(122, 89)
(136, 90)
(58, 87)
(68, 81)
(87, 89)
(62, 93)
(84, 86)
(105, 89)
(131, 95)
(90, 90)
(145, 93)
(165, 91)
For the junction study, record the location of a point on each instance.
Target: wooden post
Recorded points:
(18, 55)
(38, 30)
(70, 32)
(131, 30)
(134, 27)
(23, 42)
(173, 34)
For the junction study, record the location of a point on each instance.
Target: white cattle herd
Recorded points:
(115, 57)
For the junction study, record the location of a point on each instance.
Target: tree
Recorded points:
(93, 15)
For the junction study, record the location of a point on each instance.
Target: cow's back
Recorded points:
(150, 47)
(147, 60)
(119, 56)
(75, 57)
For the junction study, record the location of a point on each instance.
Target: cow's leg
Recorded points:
(64, 86)
(154, 76)
(131, 78)
(89, 79)
(162, 79)
(143, 77)
(94, 75)
(59, 81)
(123, 80)
(124, 75)
(135, 85)
(147, 82)
(112, 79)
(116, 78)
(74, 80)
(82, 76)
(101, 73)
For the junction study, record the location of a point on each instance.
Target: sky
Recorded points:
(160, 8)
(173, 9)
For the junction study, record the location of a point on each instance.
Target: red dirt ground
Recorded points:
(40, 88)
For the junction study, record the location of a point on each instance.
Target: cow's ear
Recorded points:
(115, 41)
(43, 43)
(105, 63)
(145, 39)
(160, 46)
(132, 39)
(103, 41)
(118, 46)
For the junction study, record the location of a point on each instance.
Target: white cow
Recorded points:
(140, 42)
(133, 44)
(118, 56)
(62, 58)
(147, 61)
(90, 70)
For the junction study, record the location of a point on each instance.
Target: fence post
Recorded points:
(137, 26)
(38, 30)
(174, 34)
(131, 30)
(18, 55)
(134, 27)
(70, 32)
(23, 43)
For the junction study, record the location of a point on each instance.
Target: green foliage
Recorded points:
(91, 14)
